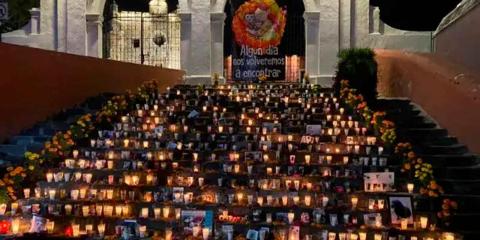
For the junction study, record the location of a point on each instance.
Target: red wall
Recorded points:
(35, 84)
(448, 92)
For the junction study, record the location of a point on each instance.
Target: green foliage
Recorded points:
(19, 14)
(4, 198)
(358, 66)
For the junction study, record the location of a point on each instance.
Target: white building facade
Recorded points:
(75, 26)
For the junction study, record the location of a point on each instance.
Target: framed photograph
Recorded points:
(400, 208)
(253, 156)
(370, 219)
(252, 234)
(313, 130)
(379, 181)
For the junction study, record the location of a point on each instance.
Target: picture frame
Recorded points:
(400, 207)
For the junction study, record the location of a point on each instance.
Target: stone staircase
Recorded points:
(34, 138)
(456, 169)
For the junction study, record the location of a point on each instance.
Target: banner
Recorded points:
(258, 27)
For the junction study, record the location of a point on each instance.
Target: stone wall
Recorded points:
(458, 37)
(37, 83)
(448, 92)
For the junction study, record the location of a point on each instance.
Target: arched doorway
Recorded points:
(143, 32)
(291, 47)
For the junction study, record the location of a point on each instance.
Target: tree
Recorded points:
(19, 14)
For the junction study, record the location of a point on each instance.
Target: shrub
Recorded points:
(358, 66)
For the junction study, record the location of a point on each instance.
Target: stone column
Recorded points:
(329, 40)
(312, 45)
(76, 27)
(94, 35)
(217, 21)
(185, 36)
(35, 21)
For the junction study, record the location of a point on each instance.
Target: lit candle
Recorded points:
(135, 180)
(166, 212)
(404, 223)
(101, 229)
(108, 210)
(362, 235)
(118, 210)
(26, 192)
(291, 217)
(423, 222)
(285, 200)
(260, 201)
(157, 212)
(74, 194)
(290, 138)
(149, 178)
(50, 226)
(296, 199)
(15, 225)
(449, 236)
(68, 209)
(51, 193)
(49, 177)
(205, 233)
(324, 201)
(144, 213)
(240, 197)
(125, 211)
(332, 236)
(109, 194)
(354, 202)
(308, 200)
(75, 154)
(85, 211)
(88, 177)
(410, 187)
(14, 207)
(76, 230)
(178, 213)
(377, 236)
(307, 159)
(168, 234)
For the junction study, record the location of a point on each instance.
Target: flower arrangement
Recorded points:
(418, 170)
(448, 207)
(10, 181)
(62, 143)
(259, 24)
(383, 128)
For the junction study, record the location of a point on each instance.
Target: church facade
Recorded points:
(77, 27)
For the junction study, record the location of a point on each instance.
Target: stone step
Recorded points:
(470, 235)
(448, 149)
(461, 186)
(465, 221)
(423, 133)
(390, 104)
(457, 173)
(451, 160)
(22, 140)
(13, 150)
(467, 203)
